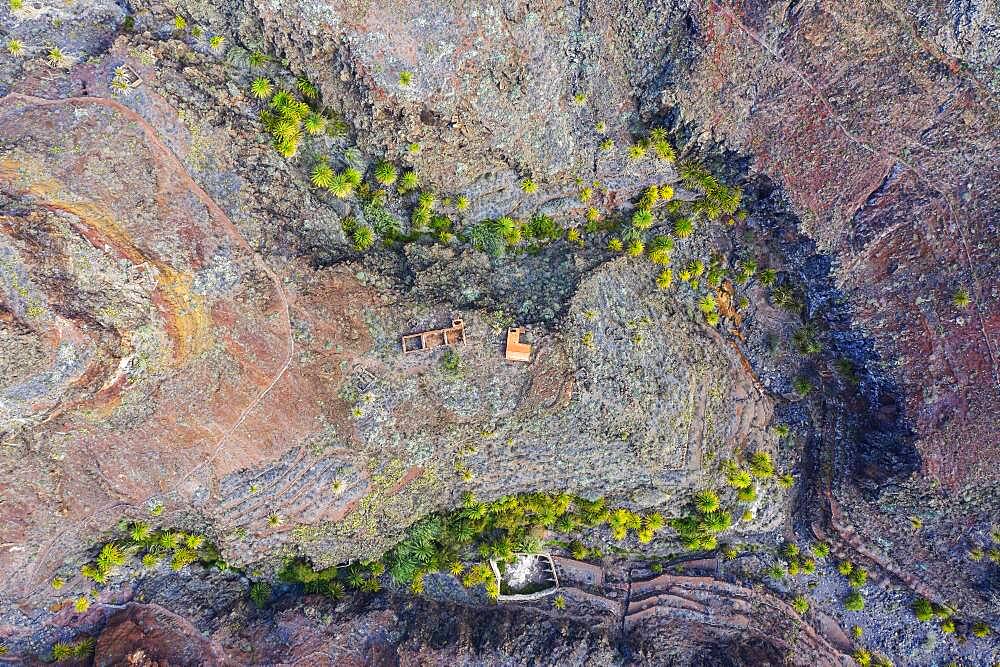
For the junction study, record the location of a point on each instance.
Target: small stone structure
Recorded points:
(129, 76)
(428, 340)
(516, 350)
(527, 571)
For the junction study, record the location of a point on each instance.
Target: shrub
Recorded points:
(81, 604)
(261, 88)
(385, 173)
(858, 577)
(683, 227)
(768, 277)
(579, 99)
(845, 567)
(322, 175)
(15, 47)
(543, 228)
(706, 501)
(462, 203)
(707, 304)
(257, 59)
(790, 550)
(606, 144)
(528, 186)
(665, 279)
(800, 604)
(961, 299)
(642, 219)
(342, 187)
(821, 549)
(976, 554)
(802, 386)
(56, 57)
(659, 250)
(306, 88)
(854, 602)
(807, 341)
(923, 609)
(260, 593)
(215, 41)
(615, 245)
(314, 123)
(761, 465)
(948, 626)
(409, 181)
(559, 602)
(747, 495)
(180, 23)
(738, 478)
(786, 481)
(980, 630)
(661, 146)
(405, 78)
(636, 151)
(635, 248)
(863, 657)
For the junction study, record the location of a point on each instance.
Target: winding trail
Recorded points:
(169, 161)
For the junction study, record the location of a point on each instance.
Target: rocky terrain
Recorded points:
(198, 343)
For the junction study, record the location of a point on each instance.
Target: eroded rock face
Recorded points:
(203, 379)
(149, 353)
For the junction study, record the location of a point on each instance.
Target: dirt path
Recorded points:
(169, 161)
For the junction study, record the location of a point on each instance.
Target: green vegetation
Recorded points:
(800, 604)
(180, 23)
(761, 465)
(854, 601)
(718, 199)
(15, 47)
(216, 41)
(636, 151)
(661, 145)
(405, 78)
(56, 57)
(528, 186)
(559, 602)
(683, 227)
(821, 549)
(863, 657)
(151, 546)
(451, 363)
(606, 144)
(386, 173)
(923, 609)
(257, 59)
(260, 593)
(78, 650)
(807, 341)
(802, 386)
(479, 530)
(706, 501)
(961, 298)
(322, 175)
(261, 88)
(699, 530)
(948, 626)
(980, 630)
